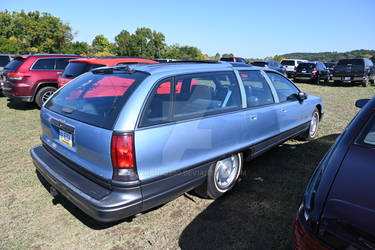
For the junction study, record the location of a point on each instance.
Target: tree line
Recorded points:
(332, 56)
(22, 33)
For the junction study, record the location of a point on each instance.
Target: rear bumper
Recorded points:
(99, 202)
(351, 79)
(8, 93)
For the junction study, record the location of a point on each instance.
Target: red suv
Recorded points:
(33, 78)
(79, 66)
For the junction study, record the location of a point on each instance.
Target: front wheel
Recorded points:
(311, 133)
(43, 94)
(221, 177)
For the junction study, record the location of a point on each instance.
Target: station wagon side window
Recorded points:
(205, 93)
(285, 90)
(158, 106)
(258, 92)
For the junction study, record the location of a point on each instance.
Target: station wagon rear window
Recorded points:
(95, 98)
(75, 69)
(288, 62)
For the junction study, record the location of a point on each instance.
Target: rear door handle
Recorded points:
(253, 117)
(283, 110)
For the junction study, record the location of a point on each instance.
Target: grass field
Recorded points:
(256, 214)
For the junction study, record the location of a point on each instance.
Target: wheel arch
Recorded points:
(42, 85)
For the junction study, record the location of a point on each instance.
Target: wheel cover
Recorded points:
(46, 96)
(226, 172)
(314, 124)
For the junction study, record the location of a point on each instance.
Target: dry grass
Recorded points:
(257, 214)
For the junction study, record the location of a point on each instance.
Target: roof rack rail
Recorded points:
(194, 61)
(114, 57)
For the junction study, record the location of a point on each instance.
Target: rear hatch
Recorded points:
(9, 68)
(78, 119)
(350, 67)
(289, 65)
(305, 69)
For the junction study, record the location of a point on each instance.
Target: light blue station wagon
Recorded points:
(120, 140)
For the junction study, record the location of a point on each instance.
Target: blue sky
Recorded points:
(246, 28)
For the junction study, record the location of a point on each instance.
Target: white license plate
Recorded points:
(347, 78)
(66, 138)
(303, 71)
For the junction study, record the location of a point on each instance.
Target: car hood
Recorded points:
(350, 208)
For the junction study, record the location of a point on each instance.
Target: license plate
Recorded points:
(66, 138)
(303, 71)
(347, 78)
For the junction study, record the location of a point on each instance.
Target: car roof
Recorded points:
(112, 61)
(186, 68)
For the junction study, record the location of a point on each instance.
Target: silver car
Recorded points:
(120, 140)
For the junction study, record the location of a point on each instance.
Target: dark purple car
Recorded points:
(338, 208)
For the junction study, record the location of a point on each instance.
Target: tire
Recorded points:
(311, 133)
(326, 80)
(365, 82)
(212, 187)
(43, 95)
(336, 82)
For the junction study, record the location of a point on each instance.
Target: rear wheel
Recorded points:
(43, 94)
(221, 177)
(365, 82)
(311, 133)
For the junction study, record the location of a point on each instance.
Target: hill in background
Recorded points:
(331, 56)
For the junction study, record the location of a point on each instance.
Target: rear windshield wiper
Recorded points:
(67, 110)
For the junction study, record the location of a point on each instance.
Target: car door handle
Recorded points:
(253, 117)
(283, 110)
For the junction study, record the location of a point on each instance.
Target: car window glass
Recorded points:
(45, 64)
(206, 93)
(367, 137)
(4, 60)
(61, 63)
(287, 62)
(158, 107)
(286, 90)
(257, 90)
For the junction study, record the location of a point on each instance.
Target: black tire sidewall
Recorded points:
(212, 191)
(39, 95)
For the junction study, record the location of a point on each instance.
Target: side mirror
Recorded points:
(361, 103)
(301, 96)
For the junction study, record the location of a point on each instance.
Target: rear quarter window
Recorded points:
(95, 98)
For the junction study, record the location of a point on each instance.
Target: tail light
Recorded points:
(15, 76)
(295, 68)
(122, 149)
(315, 70)
(303, 240)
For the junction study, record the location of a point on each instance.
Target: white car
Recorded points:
(290, 65)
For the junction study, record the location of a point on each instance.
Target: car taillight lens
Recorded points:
(302, 239)
(315, 70)
(295, 67)
(15, 76)
(122, 151)
(123, 157)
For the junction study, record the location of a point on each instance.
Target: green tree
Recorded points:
(227, 55)
(34, 31)
(278, 58)
(100, 45)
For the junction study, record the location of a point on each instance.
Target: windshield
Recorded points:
(345, 62)
(75, 69)
(287, 62)
(260, 64)
(95, 98)
(227, 59)
(13, 65)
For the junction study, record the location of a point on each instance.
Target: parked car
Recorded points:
(354, 70)
(291, 66)
(120, 140)
(312, 71)
(5, 59)
(330, 66)
(79, 66)
(270, 65)
(233, 59)
(338, 207)
(33, 78)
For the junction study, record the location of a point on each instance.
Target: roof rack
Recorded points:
(52, 54)
(114, 57)
(194, 61)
